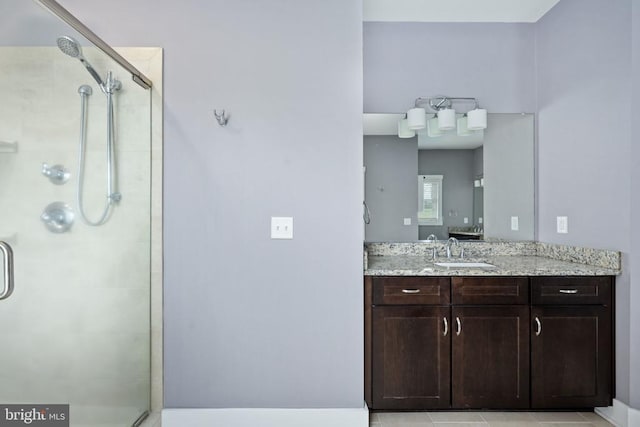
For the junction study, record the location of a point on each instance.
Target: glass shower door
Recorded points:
(76, 328)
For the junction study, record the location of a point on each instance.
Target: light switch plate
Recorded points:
(281, 227)
(562, 224)
(407, 221)
(465, 220)
(514, 223)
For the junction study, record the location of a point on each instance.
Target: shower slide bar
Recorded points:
(7, 270)
(62, 13)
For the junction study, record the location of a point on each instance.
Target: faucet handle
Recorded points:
(461, 252)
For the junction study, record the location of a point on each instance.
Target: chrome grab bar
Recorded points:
(7, 267)
(538, 326)
(446, 326)
(568, 291)
(411, 291)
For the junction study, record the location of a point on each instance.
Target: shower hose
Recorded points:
(112, 196)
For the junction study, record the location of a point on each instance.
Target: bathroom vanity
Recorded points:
(533, 331)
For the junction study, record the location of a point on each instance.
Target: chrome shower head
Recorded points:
(69, 46)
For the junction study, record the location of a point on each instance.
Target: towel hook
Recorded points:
(222, 117)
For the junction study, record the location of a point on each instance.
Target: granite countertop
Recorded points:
(507, 265)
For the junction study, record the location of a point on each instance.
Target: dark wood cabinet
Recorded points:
(490, 290)
(412, 291)
(411, 353)
(571, 356)
(488, 342)
(490, 357)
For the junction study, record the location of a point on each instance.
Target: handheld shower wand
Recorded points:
(71, 47)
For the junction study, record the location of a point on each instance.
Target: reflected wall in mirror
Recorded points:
(488, 180)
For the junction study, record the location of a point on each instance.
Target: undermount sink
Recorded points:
(464, 264)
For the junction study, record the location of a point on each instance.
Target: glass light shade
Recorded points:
(477, 119)
(462, 128)
(432, 127)
(417, 118)
(447, 119)
(403, 129)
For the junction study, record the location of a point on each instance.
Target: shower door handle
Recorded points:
(7, 269)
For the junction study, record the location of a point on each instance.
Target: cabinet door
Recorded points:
(571, 357)
(490, 363)
(411, 357)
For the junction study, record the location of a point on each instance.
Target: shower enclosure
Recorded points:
(74, 295)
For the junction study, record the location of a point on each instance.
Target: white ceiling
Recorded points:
(456, 10)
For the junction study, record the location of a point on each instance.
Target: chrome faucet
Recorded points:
(451, 241)
(434, 249)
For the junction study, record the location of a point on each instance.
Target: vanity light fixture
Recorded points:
(444, 118)
(477, 119)
(416, 118)
(433, 129)
(463, 128)
(403, 129)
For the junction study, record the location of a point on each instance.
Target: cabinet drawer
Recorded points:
(571, 290)
(490, 290)
(411, 290)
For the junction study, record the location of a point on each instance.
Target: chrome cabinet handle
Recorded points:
(538, 326)
(458, 325)
(446, 326)
(411, 291)
(7, 259)
(568, 291)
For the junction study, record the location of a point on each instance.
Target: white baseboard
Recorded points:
(267, 417)
(620, 414)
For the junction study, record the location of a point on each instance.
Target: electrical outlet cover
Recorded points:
(562, 223)
(514, 223)
(281, 227)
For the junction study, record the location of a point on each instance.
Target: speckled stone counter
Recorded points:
(507, 258)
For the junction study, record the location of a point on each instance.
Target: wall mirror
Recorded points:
(486, 178)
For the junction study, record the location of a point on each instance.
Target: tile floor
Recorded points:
(486, 419)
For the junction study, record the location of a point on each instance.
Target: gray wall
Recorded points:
(27, 24)
(391, 183)
(634, 256)
(492, 62)
(393, 165)
(508, 177)
(478, 161)
(457, 169)
(249, 321)
(583, 50)
(478, 192)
